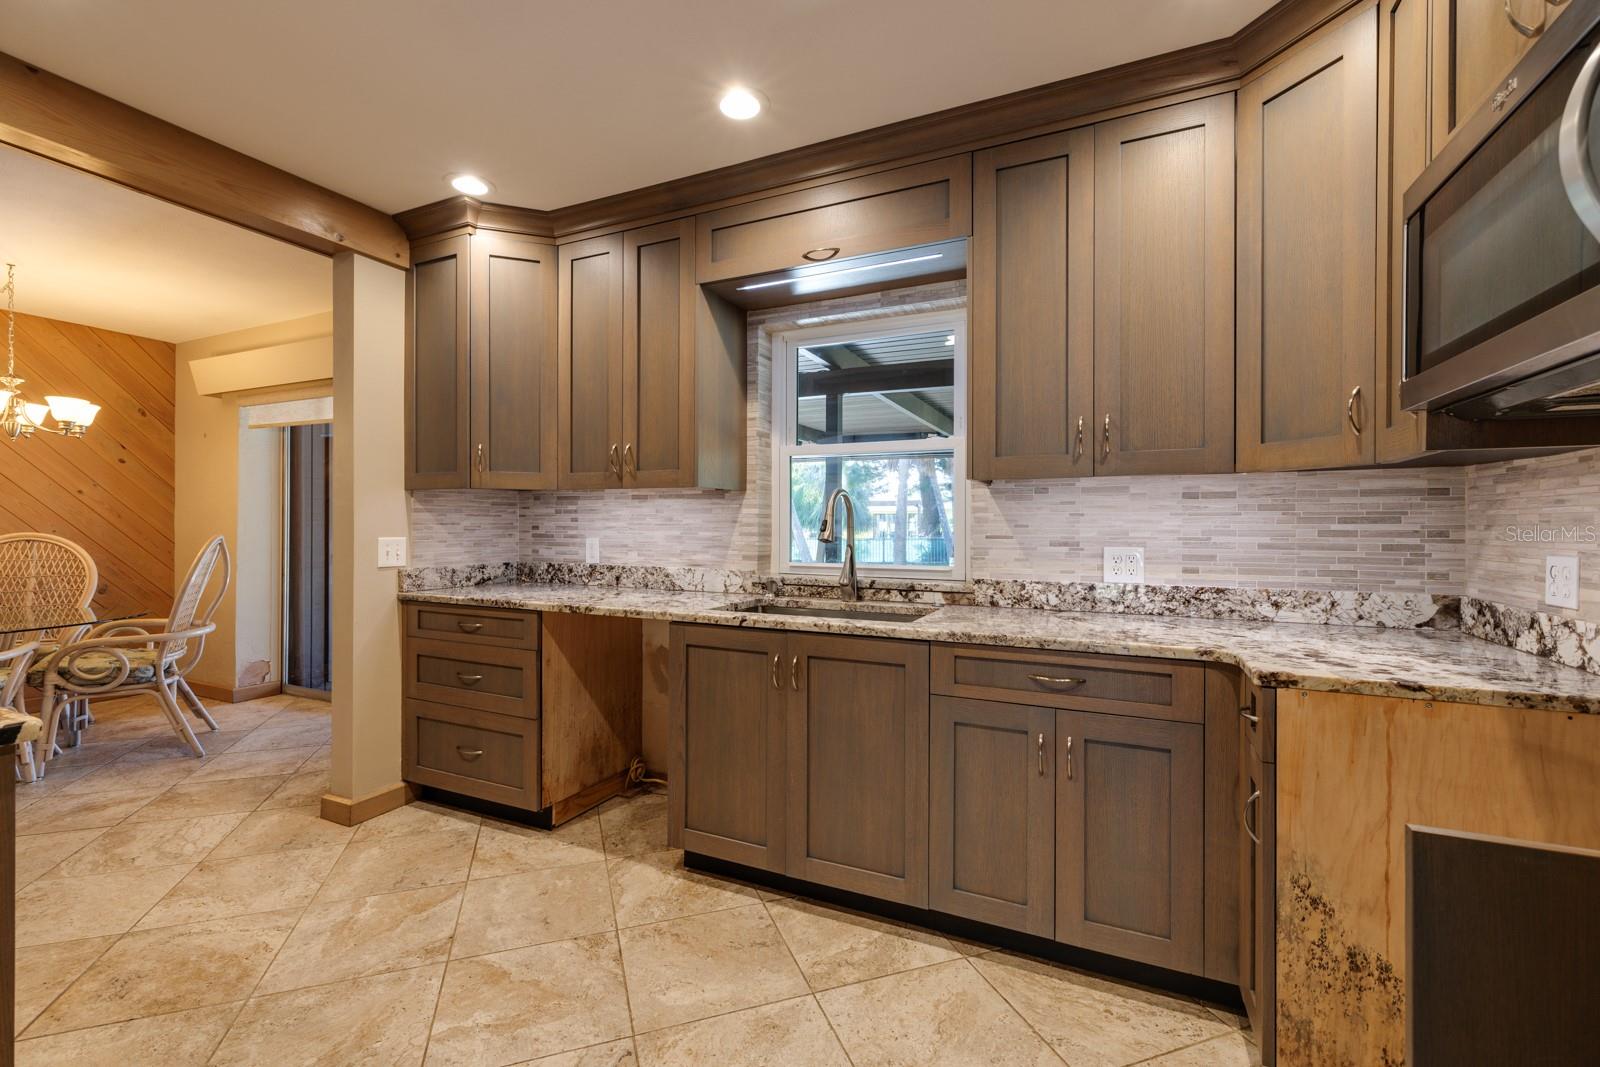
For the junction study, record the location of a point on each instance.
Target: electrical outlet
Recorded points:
(391, 552)
(1124, 565)
(591, 550)
(1561, 581)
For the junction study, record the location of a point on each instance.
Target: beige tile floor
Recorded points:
(179, 911)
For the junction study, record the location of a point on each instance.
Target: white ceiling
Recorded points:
(89, 251)
(561, 102)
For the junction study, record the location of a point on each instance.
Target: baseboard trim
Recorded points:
(236, 696)
(350, 812)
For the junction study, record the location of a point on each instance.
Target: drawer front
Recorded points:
(490, 679)
(915, 205)
(1259, 714)
(1116, 685)
(493, 757)
(477, 626)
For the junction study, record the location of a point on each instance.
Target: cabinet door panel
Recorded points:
(438, 410)
(658, 421)
(514, 363)
(858, 765)
(1306, 254)
(1475, 46)
(1129, 837)
(1032, 281)
(1163, 238)
(727, 755)
(1258, 903)
(591, 364)
(992, 813)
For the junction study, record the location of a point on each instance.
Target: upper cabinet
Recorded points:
(1306, 254)
(1476, 43)
(916, 205)
(1163, 290)
(438, 361)
(591, 364)
(1102, 298)
(480, 368)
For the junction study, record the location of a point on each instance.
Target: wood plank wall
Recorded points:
(112, 490)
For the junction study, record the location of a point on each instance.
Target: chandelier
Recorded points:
(18, 416)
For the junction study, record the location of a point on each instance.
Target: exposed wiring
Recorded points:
(639, 774)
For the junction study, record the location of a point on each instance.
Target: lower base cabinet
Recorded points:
(1130, 861)
(1258, 890)
(826, 759)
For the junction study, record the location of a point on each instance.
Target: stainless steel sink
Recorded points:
(872, 612)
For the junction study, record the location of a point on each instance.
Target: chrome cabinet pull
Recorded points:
(819, 255)
(480, 457)
(1577, 169)
(1249, 803)
(1350, 410)
(1041, 755)
(777, 678)
(1253, 720)
(627, 457)
(468, 679)
(1077, 441)
(1105, 438)
(1069, 756)
(794, 673)
(1522, 27)
(469, 754)
(469, 627)
(1046, 679)
(613, 461)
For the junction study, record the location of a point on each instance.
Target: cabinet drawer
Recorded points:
(493, 757)
(915, 205)
(476, 626)
(1118, 685)
(502, 680)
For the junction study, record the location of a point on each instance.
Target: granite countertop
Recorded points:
(1445, 665)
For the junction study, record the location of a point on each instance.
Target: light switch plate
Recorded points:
(391, 552)
(1561, 581)
(591, 550)
(1124, 566)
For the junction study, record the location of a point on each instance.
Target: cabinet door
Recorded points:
(1307, 253)
(438, 386)
(1163, 284)
(991, 813)
(514, 375)
(1032, 284)
(658, 386)
(1130, 871)
(591, 364)
(1475, 45)
(1403, 154)
(727, 744)
(858, 765)
(1258, 895)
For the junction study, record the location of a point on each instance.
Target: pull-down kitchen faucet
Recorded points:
(830, 533)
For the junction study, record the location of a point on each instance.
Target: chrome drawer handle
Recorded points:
(1069, 757)
(469, 679)
(1046, 679)
(1350, 410)
(818, 255)
(469, 754)
(1248, 804)
(1253, 720)
(777, 678)
(794, 673)
(1041, 755)
(470, 627)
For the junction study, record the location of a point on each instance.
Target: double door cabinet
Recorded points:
(597, 365)
(1052, 794)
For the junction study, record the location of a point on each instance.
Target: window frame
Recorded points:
(784, 416)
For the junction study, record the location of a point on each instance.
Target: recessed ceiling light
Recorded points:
(740, 103)
(470, 184)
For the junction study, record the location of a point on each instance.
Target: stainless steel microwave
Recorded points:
(1502, 244)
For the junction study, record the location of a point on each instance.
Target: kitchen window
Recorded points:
(877, 409)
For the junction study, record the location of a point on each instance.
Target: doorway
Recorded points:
(307, 561)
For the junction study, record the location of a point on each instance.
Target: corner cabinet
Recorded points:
(1307, 252)
(1102, 298)
(481, 364)
(652, 367)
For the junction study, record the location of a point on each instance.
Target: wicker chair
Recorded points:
(140, 655)
(13, 673)
(43, 578)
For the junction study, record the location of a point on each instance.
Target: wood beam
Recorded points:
(65, 122)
